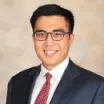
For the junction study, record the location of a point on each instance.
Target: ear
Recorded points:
(71, 38)
(33, 38)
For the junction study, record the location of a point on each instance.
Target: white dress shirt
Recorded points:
(56, 73)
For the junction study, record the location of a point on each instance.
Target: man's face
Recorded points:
(51, 52)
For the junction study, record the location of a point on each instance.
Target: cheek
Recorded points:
(38, 46)
(65, 45)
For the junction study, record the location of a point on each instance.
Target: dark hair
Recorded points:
(52, 9)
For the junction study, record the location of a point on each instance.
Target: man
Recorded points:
(57, 80)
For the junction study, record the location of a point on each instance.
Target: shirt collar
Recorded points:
(56, 72)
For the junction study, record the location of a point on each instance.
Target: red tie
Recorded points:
(43, 94)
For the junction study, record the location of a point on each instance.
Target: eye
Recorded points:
(39, 34)
(57, 34)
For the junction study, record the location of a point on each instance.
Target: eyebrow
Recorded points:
(55, 30)
(39, 30)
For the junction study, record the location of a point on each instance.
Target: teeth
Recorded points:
(50, 52)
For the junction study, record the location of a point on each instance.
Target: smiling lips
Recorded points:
(50, 52)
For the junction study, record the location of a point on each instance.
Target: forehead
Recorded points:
(51, 22)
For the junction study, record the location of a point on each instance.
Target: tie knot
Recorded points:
(48, 76)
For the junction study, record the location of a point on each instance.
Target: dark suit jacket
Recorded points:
(77, 86)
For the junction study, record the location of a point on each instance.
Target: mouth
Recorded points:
(50, 52)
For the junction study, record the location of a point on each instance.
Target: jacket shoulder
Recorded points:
(88, 74)
(26, 72)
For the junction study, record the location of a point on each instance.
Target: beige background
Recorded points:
(16, 45)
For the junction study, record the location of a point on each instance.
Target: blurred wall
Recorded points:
(16, 45)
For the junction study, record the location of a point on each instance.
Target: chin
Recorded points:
(52, 63)
(49, 66)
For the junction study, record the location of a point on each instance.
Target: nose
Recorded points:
(49, 41)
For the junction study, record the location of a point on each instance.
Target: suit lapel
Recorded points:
(29, 83)
(66, 85)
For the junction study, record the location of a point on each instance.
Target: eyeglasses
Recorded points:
(55, 35)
